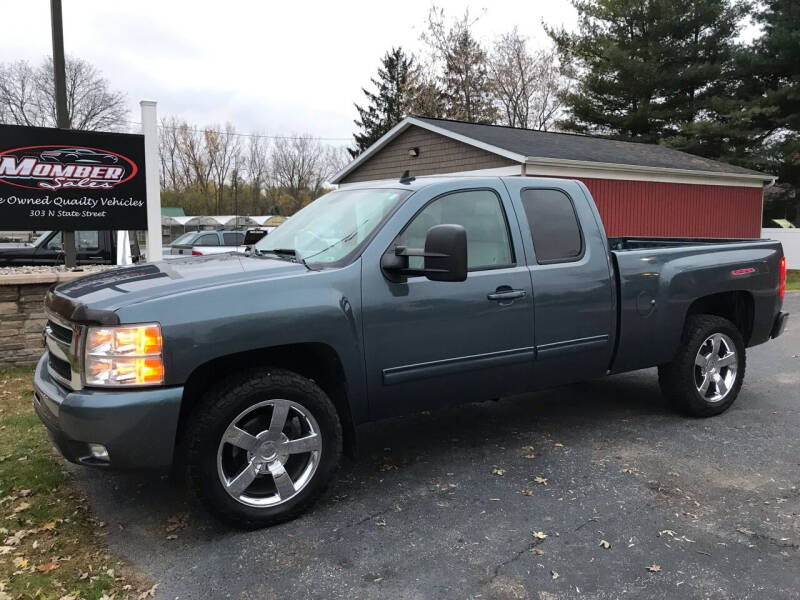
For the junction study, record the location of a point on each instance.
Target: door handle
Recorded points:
(506, 293)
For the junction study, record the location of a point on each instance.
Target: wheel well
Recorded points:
(315, 361)
(737, 307)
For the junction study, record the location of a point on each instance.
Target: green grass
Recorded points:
(50, 544)
(793, 280)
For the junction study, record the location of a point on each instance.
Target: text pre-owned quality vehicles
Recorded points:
(377, 300)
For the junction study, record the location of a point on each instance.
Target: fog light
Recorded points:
(99, 452)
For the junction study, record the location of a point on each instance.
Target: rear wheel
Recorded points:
(262, 447)
(706, 374)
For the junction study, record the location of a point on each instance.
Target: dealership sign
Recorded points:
(71, 180)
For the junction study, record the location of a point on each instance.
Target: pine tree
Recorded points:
(385, 108)
(648, 68)
(770, 79)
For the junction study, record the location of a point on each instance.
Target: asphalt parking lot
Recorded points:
(446, 505)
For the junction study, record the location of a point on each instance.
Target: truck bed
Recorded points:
(659, 278)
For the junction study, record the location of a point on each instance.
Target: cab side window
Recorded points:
(554, 225)
(480, 212)
(208, 239)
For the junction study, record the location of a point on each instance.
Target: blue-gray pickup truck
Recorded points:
(253, 371)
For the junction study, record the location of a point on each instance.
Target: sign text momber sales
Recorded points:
(71, 180)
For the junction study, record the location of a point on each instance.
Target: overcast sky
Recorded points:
(277, 67)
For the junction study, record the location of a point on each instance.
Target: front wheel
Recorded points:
(706, 374)
(262, 447)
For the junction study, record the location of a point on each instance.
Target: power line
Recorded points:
(250, 135)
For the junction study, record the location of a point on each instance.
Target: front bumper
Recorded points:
(137, 427)
(780, 324)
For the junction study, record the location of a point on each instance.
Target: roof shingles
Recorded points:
(566, 146)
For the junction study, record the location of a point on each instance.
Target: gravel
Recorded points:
(52, 269)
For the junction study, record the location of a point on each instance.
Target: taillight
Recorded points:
(197, 253)
(782, 278)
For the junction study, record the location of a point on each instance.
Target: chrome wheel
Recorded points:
(269, 453)
(715, 367)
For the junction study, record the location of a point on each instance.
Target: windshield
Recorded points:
(41, 238)
(330, 228)
(184, 239)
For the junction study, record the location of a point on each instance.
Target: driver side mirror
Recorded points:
(445, 256)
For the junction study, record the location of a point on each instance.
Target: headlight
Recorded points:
(125, 355)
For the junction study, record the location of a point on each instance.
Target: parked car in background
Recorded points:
(254, 235)
(199, 243)
(93, 248)
(381, 299)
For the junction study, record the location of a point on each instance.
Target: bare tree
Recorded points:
(172, 168)
(196, 163)
(257, 166)
(223, 149)
(27, 96)
(528, 87)
(463, 67)
(553, 83)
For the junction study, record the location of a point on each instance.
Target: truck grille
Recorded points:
(63, 341)
(59, 367)
(59, 332)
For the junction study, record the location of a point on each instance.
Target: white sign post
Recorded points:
(152, 161)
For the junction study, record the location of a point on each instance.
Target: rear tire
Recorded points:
(262, 446)
(707, 372)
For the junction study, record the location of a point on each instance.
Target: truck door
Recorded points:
(429, 343)
(573, 290)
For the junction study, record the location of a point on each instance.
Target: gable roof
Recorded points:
(528, 146)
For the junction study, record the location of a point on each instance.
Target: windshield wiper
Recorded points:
(281, 252)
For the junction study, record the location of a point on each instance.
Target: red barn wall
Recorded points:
(657, 209)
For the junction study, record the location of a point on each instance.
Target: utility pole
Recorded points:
(62, 118)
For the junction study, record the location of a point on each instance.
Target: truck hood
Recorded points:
(113, 289)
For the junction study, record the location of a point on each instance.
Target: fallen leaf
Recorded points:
(22, 506)
(5, 549)
(48, 526)
(498, 471)
(172, 536)
(537, 551)
(47, 567)
(148, 593)
(605, 544)
(539, 535)
(668, 532)
(654, 568)
(527, 492)
(554, 574)
(558, 445)
(24, 493)
(542, 480)
(20, 563)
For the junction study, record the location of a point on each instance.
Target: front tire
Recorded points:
(262, 447)
(706, 374)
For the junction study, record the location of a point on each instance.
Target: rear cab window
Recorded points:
(554, 226)
(233, 238)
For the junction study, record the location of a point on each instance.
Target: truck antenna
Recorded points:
(406, 177)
